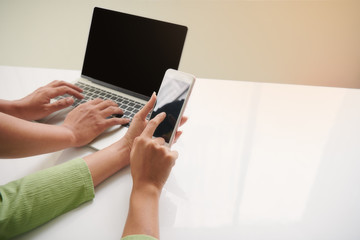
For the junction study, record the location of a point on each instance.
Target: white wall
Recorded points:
(301, 42)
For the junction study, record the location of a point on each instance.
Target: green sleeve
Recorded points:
(138, 237)
(36, 199)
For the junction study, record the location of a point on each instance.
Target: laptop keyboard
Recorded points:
(129, 106)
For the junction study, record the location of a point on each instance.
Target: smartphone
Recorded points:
(172, 98)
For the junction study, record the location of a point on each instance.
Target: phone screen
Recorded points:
(170, 99)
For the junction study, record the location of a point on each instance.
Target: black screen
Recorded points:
(170, 99)
(132, 52)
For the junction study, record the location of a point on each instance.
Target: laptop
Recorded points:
(125, 60)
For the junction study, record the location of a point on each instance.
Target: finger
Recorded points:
(105, 104)
(183, 120)
(94, 101)
(111, 110)
(89, 103)
(148, 107)
(174, 155)
(153, 124)
(62, 90)
(115, 121)
(159, 140)
(177, 136)
(54, 83)
(58, 83)
(60, 104)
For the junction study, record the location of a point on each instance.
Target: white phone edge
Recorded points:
(188, 78)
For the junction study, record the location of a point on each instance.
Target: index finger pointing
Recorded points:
(148, 107)
(153, 124)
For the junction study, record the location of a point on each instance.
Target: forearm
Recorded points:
(21, 138)
(103, 164)
(40, 197)
(143, 216)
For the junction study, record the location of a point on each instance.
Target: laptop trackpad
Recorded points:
(108, 137)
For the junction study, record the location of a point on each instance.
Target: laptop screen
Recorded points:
(131, 52)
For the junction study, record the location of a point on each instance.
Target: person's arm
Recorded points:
(37, 198)
(151, 162)
(51, 192)
(21, 138)
(38, 104)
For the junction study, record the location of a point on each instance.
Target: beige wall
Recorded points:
(301, 42)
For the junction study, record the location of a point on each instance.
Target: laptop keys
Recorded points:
(129, 106)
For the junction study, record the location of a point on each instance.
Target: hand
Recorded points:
(150, 160)
(139, 123)
(37, 104)
(88, 120)
(151, 163)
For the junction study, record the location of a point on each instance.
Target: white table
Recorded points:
(257, 161)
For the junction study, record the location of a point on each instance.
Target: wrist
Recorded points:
(69, 135)
(127, 142)
(121, 151)
(146, 190)
(103, 164)
(143, 216)
(12, 108)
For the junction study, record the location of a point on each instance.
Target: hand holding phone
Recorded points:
(172, 98)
